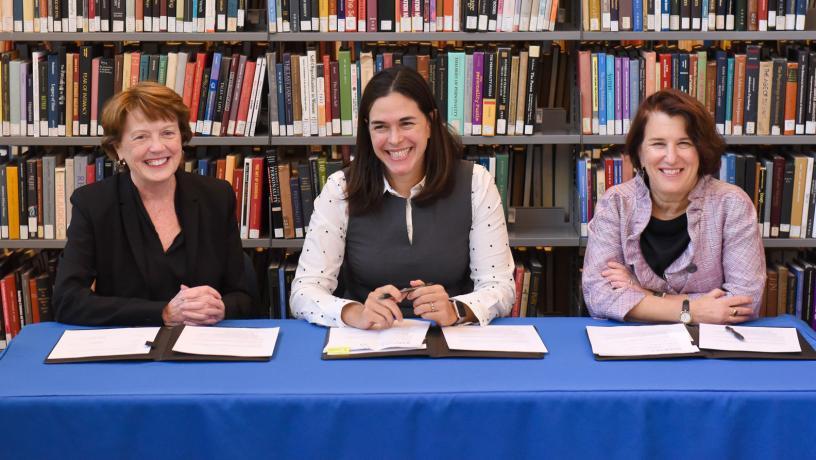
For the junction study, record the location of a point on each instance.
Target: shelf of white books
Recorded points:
(136, 36)
(93, 140)
(422, 36)
(731, 140)
(698, 35)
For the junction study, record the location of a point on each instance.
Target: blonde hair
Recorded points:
(156, 102)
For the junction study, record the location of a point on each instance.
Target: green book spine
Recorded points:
(702, 60)
(502, 172)
(163, 69)
(456, 91)
(344, 59)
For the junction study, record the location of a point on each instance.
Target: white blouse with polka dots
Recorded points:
(491, 262)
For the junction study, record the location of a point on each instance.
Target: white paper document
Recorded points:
(663, 339)
(523, 339)
(408, 334)
(765, 339)
(104, 342)
(228, 341)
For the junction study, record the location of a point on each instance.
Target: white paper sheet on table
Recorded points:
(662, 339)
(228, 341)
(104, 342)
(763, 339)
(408, 334)
(523, 339)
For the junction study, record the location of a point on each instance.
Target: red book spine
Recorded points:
(201, 60)
(609, 172)
(35, 303)
(7, 307)
(238, 188)
(189, 76)
(518, 277)
(243, 105)
(327, 85)
(90, 172)
(255, 198)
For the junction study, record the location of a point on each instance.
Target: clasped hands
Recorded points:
(713, 307)
(194, 306)
(430, 302)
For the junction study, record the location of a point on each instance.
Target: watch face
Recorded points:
(685, 317)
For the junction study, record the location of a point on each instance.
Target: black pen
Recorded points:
(736, 334)
(403, 291)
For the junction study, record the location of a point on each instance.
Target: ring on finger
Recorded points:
(433, 307)
(733, 312)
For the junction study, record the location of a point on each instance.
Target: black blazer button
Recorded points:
(691, 268)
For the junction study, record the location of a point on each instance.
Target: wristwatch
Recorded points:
(685, 312)
(461, 311)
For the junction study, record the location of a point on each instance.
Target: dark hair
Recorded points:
(699, 128)
(156, 102)
(365, 174)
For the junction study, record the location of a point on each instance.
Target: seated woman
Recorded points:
(674, 244)
(406, 213)
(152, 245)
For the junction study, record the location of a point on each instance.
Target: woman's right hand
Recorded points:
(717, 308)
(196, 306)
(376, 313)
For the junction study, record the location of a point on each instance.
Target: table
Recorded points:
(566, 405)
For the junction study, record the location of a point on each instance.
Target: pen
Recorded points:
(403, 291)
(736, 334)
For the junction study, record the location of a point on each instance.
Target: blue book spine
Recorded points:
(202, 167)
(211, 93)
(297, 206)
(704, 18)
(281, 97)
(602, 92)
(610, 94)
(731, 160)
(625, 84)
(100, 168)
(53, 82)
(800, 279)
(637, 15)
(232, 9)
(801, 12)
(581, 184)
(272, 11)
(378, 63)
(282, 290)
(729, 97)
(341, 14)
(617, 164)
(144, 67)
(665, 9)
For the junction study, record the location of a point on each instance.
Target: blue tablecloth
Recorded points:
(566, 405)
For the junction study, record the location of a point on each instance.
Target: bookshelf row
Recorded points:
(748, 89)
(573, 35)
(562, 139)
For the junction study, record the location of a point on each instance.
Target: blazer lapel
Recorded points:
(189, 222)
(130, 222)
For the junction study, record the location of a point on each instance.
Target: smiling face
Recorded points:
(399, 136)
(151, 149)
(668, 157)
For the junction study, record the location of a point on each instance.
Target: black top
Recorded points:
(663, 241)
(113, 271)
(167, 269)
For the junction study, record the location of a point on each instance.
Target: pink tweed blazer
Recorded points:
(725, 251)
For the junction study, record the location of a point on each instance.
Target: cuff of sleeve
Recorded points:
(482, 312)
(335, 310)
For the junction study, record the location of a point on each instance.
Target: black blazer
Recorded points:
(103, 247)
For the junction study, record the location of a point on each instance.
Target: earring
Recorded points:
(122, 165)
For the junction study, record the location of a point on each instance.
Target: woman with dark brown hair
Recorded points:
(674, 243)
(407, 213)
(152, 245)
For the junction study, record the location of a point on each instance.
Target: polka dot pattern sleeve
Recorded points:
(491, 262)
(321, 258)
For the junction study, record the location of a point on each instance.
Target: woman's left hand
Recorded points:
(433, 303)
(619, 277)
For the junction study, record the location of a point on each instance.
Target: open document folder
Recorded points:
(416, 338)
(178, 343)
(703, 341)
